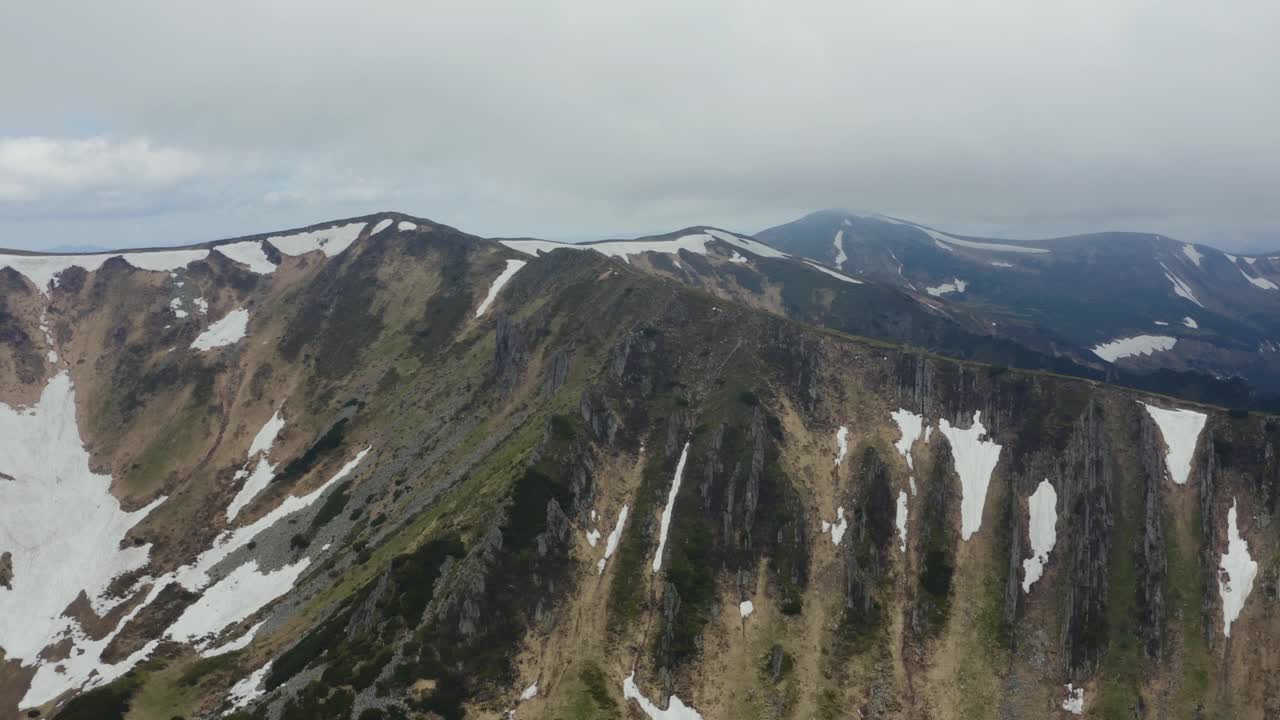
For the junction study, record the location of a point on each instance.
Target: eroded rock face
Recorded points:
(1087, 492)
(1153, 563)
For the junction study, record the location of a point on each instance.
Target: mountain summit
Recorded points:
(1139, 301)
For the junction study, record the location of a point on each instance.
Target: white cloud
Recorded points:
(33, 169)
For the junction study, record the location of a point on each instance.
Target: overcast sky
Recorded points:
(143, 123)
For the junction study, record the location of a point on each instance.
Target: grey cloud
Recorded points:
(571, 118)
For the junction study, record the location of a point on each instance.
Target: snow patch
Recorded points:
(611, 542)
(405, 226)
(249, 689)
(754, 247)
(1192, 254)
(513, 266)
(1042, 522)
(839, 243)
(1180, 429)
(1074, 702)
(250, 254)
(266, 437)
(62, 528)
(910, 425)
(233, 598)
(529, 693)
(665, 525)
(254, 483)
(1180, 288)
(842, 444)
(239, 643)
(901, 520)
(676, 710)
(176, 306)
(946, 239)
(593, 537)
(836, 528)
(382, 225)
(1132, 346)
(623, 249)
(331, 241)
(262, 474)
(1263, 283)
(42, 270)
(84, 669)
(745, 608)
(1000, 264)
(1235, 573)
(955, 286)
(229, 330)
(975, 460)
(1191, 323)
(832, 273)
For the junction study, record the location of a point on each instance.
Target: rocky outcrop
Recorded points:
(867, 541)
(599, 417)
(6, 570)
(1152, 558)
(161, 613)
(510, 353)
(557, 371)
(1087, 497)
(460, 590)
(755, 475)
(1209, 534)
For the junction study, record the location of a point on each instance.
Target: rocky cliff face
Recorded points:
(315, 474)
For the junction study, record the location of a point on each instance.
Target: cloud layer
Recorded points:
(572, 118)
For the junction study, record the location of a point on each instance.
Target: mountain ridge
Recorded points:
(408, 488)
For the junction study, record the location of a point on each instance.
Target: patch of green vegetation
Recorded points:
(162, 696)
(205, 667)
(159, 458)
(589, 697)
(786, 664)
(1123, 665)
(1185, 591)
(628, 575)
(691, 572)
(995, 631)
(829, 705)
(110, 702)
(937, 546)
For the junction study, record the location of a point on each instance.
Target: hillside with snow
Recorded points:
(382, 469)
